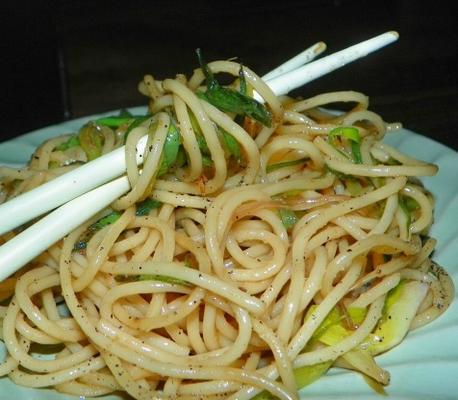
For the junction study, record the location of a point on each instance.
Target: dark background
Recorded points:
(66, 59)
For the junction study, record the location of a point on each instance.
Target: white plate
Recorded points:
(424, 366)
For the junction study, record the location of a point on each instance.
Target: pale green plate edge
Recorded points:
(424, 366)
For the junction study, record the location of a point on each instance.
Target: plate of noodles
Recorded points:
(265, 251)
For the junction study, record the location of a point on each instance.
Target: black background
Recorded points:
(64, 59)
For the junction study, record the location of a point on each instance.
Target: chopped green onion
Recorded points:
(232, 145)
(181, 158)
(357, 314)
(356, 152)
(243, 87)
(113, 121)
(136, 122)
(229, 100)
(163, 278)
(401, 306)
(354, 187)
(145, 207)
(91, 140)
(351, 134)
(105, 221)
(73, 141)
(288, 218)
(274, 167)
(308, 374)
(406, 211)
(347, 132)
(207, 161)
(304, 376)
(202, 143)
(333, 318)
(377, 387)
(410, 203)
(170, 149)
(109, 219)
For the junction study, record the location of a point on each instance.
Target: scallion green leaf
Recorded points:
(405, 209)
(243, 86)
(91, 140)
(73, 141)
(170, 149)
(202, 143)
(274, 167)
(109, 219)
(288, 218)
(351, 134)
(163, 278)
(354, 187)
(232, 145)
(145, 207)
(136, 122)
(181, 158)
(229, 100)
(105, 221)
(410, 203)
(207, 161)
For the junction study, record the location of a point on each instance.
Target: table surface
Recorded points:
(88, 58)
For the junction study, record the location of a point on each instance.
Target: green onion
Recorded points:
(243, 86)
(304, 376)
(406, 211)
(333, 318)
(410, 203)
(124, 117)
(136, 122)
(308, 374)
(401, 306)
(113, 121)
(91, 140)
(354, 187)
(207, 161)
(351, 134)
(73, 141)
(105, 221)
(145, 207)
(109, 219)
(229, 100)
(288, 218)
(232, 145)
(274, 167)
(181, 158)
(163, 278)
(357, 314)
(202, 143)
(170, 149)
